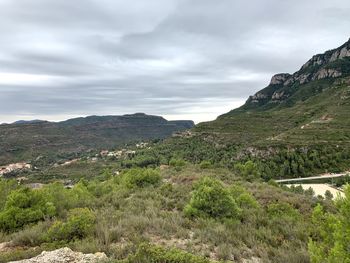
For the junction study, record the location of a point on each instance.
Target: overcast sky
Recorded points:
(182, 59)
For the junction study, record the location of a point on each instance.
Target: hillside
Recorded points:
(206, 195)
(308, 107)
(24, 141)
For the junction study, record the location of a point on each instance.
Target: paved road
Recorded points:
(323, 176)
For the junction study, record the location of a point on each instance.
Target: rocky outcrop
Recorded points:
(318, 67)
(279, 78)
(14, 167)
(65, 255)
(329, 56)
(278, 96)
(257, 97)
(326, 73)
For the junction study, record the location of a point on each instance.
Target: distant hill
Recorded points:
(27, 122)
(26, 140)
(309, 107)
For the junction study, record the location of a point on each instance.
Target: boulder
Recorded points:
(64, 255)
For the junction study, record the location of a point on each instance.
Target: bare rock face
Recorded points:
(257, 97)
(64, 255)
(279, 78)
(326, 73)
(278, 96)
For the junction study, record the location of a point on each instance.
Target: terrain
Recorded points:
(205, 194)
(307, 108)
(25, 141)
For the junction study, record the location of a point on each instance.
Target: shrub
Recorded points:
(23, 207)
(6, 186)
(31, 236)
(283, 211)
(178, 164)
(211, 198)
(248, 170)
(141, 177)
(79, 225)
(331, 238)
(157, 254)
(205, 165)
(328, 195)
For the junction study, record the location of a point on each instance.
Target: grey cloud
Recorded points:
(176, 58)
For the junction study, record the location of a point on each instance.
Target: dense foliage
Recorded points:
(25, 206)
(211, 198)
(205, 213)
(331, 235)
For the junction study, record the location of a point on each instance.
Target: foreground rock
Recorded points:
(64, 255)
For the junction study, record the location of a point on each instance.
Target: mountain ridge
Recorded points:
(304, 108)
(25, 141)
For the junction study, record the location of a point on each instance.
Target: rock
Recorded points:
(252, 260)
(278, 95)
(326, 73)
(279, 78)
(64, 255)
(5, 246)
(257, 97)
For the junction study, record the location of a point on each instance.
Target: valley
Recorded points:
(138, 188)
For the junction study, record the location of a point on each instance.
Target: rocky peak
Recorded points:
(329, 56)
(279, 78)
(319, 67)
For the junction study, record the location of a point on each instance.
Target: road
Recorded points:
(323, 176)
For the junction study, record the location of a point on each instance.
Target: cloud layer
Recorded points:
(183, 59)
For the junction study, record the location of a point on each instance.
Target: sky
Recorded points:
(181, 59)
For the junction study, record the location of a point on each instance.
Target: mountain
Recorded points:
(27, 122)
(309, 107)
(27, 140)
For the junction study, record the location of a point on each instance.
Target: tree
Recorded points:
(328, 195)
(25, 206)
(79, 225)
(211, 199)
(310, 191)
(141, 177)
(248, 170)
(330, 240)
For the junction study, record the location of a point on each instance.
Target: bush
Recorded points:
(157, 254)
(248, 170)
(205, 165)
(25, 206)
(283, 211)
(141, 177)
(178, 164)
(79, 225)
(331, 238)
(6, 186)
(211, 198)
(31, 236)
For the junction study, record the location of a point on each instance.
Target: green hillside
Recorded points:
(25, 142)
(310, 107)
(297, 126)
(204, 195)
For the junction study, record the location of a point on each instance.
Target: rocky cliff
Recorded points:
(329, 65)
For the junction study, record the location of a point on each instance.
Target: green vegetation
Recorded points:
(48, 142)
(207, 195)
(194, 214)
(79, 225)
(210, 198)
(157, 254)
(141, 177)
(24, 207)
(331, 237)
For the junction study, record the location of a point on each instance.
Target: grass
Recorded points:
(128, 217)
